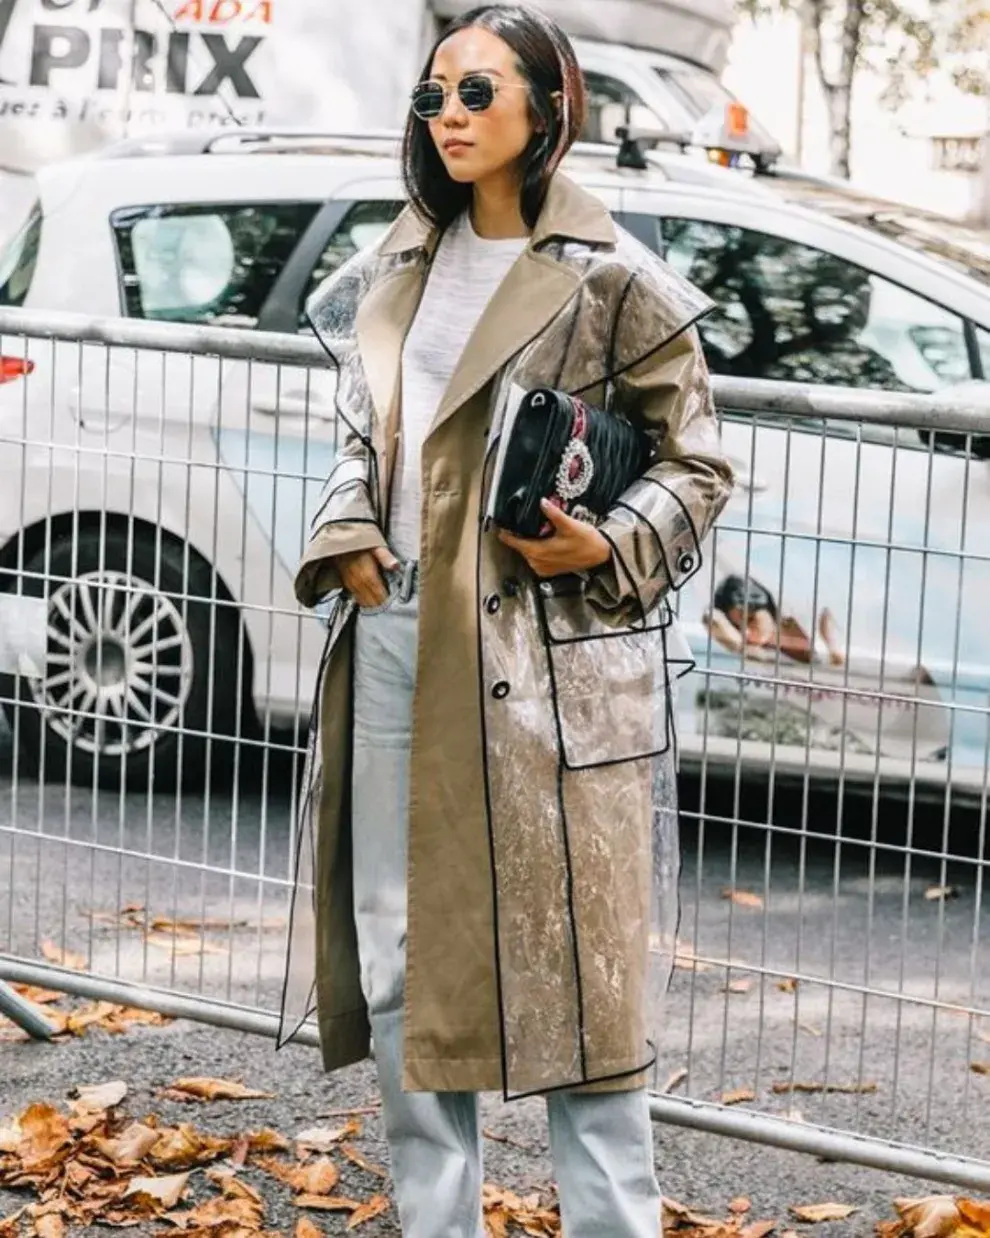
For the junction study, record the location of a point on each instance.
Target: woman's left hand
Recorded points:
(574, 546)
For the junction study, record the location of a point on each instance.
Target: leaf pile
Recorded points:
(686, 1223)
(75, 1019)
(93, 1164)
(938, 1216)
(504, 1210)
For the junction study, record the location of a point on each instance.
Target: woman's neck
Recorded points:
(496, 211)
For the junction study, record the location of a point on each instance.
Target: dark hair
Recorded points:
(547, 62)
(748, 595)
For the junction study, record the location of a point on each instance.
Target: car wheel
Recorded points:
(127, 693)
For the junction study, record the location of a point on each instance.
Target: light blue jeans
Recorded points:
(602, 1145)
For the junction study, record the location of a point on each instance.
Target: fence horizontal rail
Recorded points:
(945, 411)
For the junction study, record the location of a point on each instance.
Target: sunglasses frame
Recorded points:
(495, 84)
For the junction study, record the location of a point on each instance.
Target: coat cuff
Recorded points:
(651, 554)
(317, 575)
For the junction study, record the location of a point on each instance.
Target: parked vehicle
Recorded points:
(158, 484)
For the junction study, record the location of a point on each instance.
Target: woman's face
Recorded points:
(475, 146)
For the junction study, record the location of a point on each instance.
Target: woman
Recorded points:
(491, 762)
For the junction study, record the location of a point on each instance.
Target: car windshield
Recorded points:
(698, 92)
(965, 249)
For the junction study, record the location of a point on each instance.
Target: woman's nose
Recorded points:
(454, 110)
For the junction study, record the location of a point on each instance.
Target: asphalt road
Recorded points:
(843, 909)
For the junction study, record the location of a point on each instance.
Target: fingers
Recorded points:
(557, 517)
(361, 576)
(386, 558)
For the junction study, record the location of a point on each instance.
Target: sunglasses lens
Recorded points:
(427, 100)
(476, 93)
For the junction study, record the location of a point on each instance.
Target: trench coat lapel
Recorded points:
(535, 289)
(383, 320)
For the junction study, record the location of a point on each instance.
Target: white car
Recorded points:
(138, 487)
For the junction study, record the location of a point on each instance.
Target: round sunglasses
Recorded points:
(476, 91)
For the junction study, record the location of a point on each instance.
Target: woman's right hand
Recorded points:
(361, 574)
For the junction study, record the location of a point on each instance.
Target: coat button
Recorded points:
(685, 562)
(493, 603)
(546, 588)
(500, 690)
(510, 586)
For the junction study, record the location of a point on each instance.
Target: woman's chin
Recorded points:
(461, 170)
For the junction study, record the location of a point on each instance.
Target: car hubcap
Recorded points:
(119, 665)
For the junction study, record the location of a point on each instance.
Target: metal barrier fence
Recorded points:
(156, 675)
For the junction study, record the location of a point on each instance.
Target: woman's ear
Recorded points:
(558, 102)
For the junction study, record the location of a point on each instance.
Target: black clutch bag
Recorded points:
(559, 448)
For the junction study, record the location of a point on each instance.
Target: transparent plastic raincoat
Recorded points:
(543, 854)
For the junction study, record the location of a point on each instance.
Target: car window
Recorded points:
(205, 264)
(608, 99)
(18, 259)
(790, 311)
(362, 225)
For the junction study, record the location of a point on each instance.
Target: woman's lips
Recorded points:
(456, 147)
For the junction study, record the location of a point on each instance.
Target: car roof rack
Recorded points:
(239, 141)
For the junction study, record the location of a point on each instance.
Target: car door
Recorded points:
(840, 617)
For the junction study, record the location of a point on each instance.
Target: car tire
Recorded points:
(127, 696)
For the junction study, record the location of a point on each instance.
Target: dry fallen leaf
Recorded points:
(738, 986)
(164, 1192)
(375, 1206)
(358, 1158)
(238, 1209)
(324, 1138)
(675, 1213)
(63, 957)
(267, 1141)
(183, 945)
(183, 1147)
(130, 1146)
(812, 1214)
(10, 1226)
(738, 1096)
(980, 1068)
(675, 1080)
(318, 1177)
(306, 1229)
(50, 1226)
(758, 1229)
(94, 1097)
(932, 1216)
(847, 1089)
(740, 1206)
(40, 997)
(975, 1212)
(743, 898)
(326, 1203)
(44, 1134)
(89, 1015)
(202, 1089)
(788, 985)
(936, 894)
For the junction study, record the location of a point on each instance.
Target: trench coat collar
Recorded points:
(535, 289)
(569, 212)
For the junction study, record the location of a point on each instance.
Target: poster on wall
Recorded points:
(75, 74)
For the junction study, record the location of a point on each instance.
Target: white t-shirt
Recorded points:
(465, 273)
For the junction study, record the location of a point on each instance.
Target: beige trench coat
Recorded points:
(542, 830)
